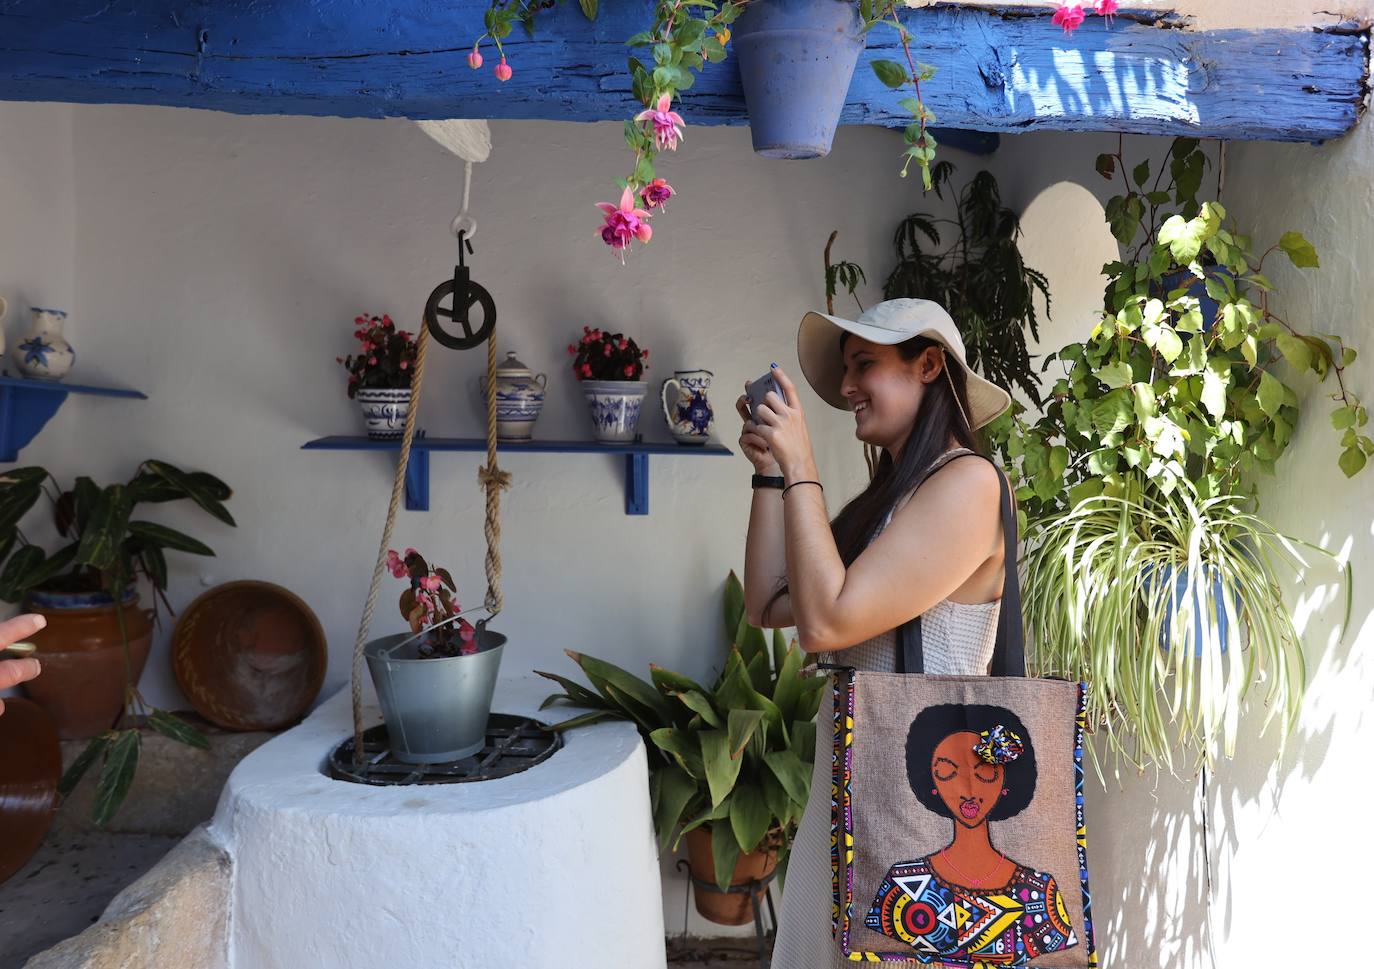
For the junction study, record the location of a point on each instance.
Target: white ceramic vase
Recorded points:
(43, 351)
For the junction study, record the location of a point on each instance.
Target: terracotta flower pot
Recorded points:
(82, 684)
(726, 908)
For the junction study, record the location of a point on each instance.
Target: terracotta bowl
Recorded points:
(30, 766)
(249, 655)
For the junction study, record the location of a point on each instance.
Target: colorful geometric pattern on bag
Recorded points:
(1002, 927)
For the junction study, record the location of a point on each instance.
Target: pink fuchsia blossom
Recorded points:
(1105, 8)
(656, 193)
(503, 71)
(623, 224)
(667, 123)
(372, 361)
(395, 564)
(1069, 16)
(431, 583)
(475, 59)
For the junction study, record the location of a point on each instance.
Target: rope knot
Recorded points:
(493, 478)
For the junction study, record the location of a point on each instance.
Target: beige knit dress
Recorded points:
(957, 640)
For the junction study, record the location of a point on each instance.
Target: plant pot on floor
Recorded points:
(615, 406)
(725, 908)
(435, 708)
(796, 59)
(84, 673)
(384, 411)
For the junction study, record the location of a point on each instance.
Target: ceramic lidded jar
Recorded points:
(519, 399)
(44, 351)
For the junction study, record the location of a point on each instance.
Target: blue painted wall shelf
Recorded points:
(417, 472)
(27, 403)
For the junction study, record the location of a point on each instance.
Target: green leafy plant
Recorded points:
(735, 756)
(978, 275)
(1144, 464)
(107, 550)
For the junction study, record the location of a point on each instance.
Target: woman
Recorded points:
(891, 554)
(972, 764)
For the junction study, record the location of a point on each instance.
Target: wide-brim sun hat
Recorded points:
(890, 322)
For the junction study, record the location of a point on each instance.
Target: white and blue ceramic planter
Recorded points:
(615, 406)
(519, 399)
(384, 411)
(685, 406)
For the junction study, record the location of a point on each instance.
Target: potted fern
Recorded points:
(1152, 574)
(729, 764)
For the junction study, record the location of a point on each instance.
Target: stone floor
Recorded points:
(67, 884)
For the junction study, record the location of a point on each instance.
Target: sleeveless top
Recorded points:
(958, 638)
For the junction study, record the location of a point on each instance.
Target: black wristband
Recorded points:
(767, 481)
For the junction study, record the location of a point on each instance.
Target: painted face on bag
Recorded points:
(884, 391)
(968, 785)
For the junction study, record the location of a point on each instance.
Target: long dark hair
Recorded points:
(939, 418)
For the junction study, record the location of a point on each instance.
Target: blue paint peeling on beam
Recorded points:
(998, 69)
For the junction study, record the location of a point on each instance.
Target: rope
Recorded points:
(494, 480)
(397, 491)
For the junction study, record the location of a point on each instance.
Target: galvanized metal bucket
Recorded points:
(435, 709)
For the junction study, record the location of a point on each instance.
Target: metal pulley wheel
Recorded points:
(463, 295)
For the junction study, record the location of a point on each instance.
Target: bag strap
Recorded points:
(1009, 654)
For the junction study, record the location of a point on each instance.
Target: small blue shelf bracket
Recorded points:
(636, 484)
(636, 455)
(27, 404)
(417, 480)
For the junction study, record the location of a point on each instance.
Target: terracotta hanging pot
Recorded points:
(84, 674)
(726, 908)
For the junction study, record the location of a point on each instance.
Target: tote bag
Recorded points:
(957, 835)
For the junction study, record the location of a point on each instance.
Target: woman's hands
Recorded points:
(754, 446)
(782, 429)
(16, 671)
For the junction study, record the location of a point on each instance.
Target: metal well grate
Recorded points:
(514, 744)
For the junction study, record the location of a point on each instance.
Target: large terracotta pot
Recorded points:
(725, 908)
(82, 684)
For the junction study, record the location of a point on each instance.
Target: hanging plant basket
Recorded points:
(796, 59)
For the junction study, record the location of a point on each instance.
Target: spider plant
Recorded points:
(1169, 607)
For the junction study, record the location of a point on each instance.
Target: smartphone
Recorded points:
(758, 389)
(18, 649)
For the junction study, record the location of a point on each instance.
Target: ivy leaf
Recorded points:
(890, 72)
(1352, 461)
(1141, 174)
(588, 8)
(1214, 381)
(1295, 351)
(1300, 252)
(1116, 375)
(1106, 165)
(1270, 394)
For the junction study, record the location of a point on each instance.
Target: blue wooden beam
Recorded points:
(999, 68)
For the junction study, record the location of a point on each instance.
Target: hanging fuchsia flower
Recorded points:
(667, 123)
(1105, 8)
(503, 71)
(656, 193)
(1069, 16)
(431, 583)
(624, 223)
(475, 59)
(394, 563)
